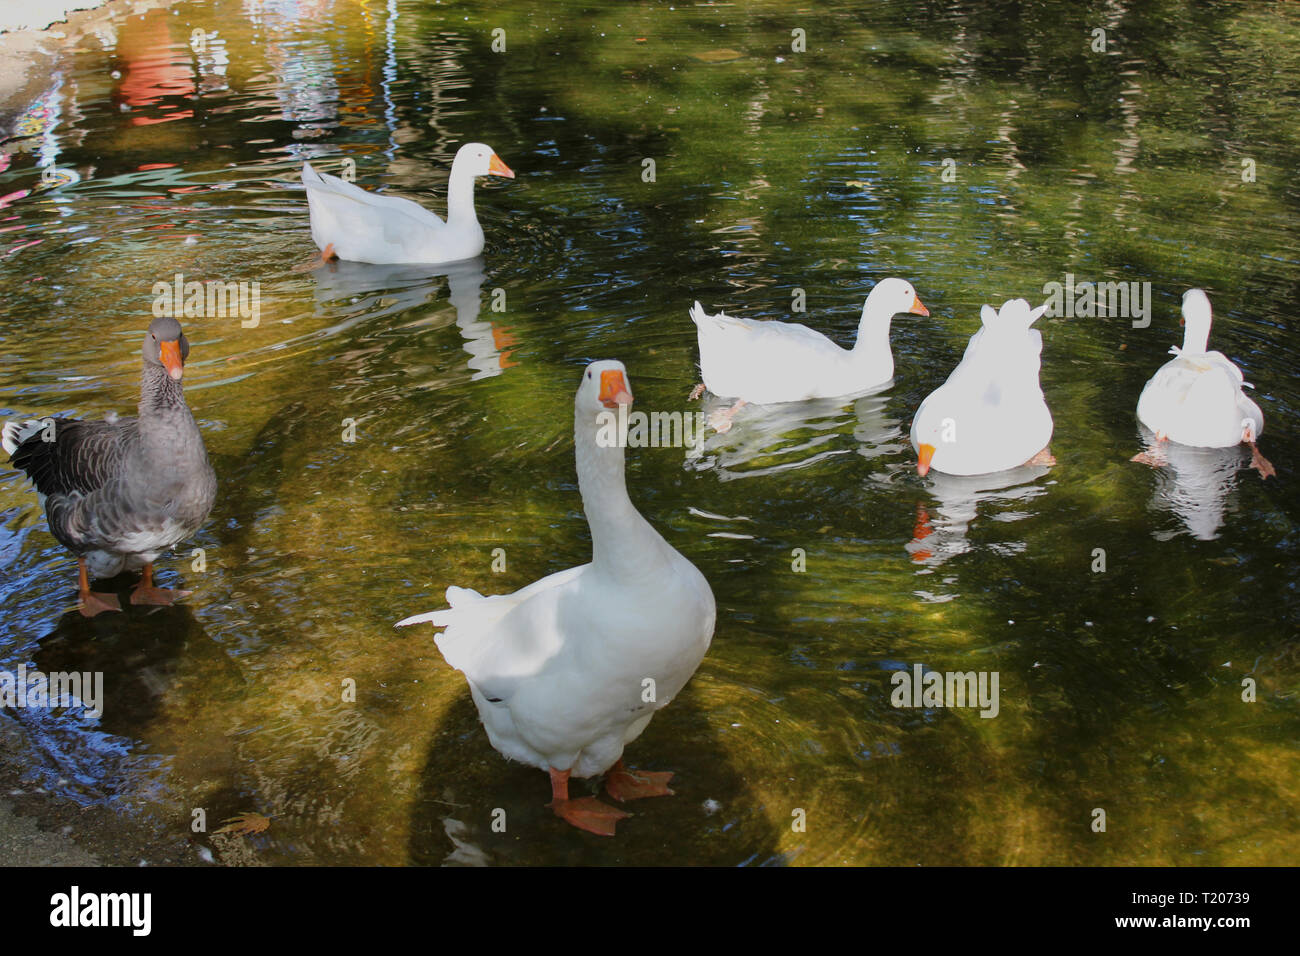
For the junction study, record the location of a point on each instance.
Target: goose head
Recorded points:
(892, 296)
(604, 388)
(166, 345)
(479, 160)
(1196, 318)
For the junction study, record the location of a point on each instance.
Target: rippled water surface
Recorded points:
(774, 171)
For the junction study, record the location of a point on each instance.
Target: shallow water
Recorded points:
(775, 171)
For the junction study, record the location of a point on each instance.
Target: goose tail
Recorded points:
(15, 433)
(311, 178)
(698, 315)
(457, 597)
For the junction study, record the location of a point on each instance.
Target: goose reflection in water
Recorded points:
(942, 528)
(1196, 485)
(768, 439)
(361, 292)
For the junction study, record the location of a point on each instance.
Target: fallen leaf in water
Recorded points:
(244, 824)
(718, 56)
(858, 184)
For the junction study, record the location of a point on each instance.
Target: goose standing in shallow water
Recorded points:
(570, 669)
(763, 363)
(1198, 397)
(990, 415)
(349, 223)
(119, 493)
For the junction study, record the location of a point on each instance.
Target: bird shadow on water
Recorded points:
(711, 820)
(128, 663)
(253, 478)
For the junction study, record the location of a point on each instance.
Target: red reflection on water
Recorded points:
(503, 340)
(149, 72)
(922, 530)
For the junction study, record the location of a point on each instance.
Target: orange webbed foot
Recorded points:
(585, 813)
(1152, 457)
(623, 784)
(696, 392)
(94, 602)
(1044, 457)
(162, 597)
(146, 593)
(721, 420)
(327, 255)
(1260, 463)
(588, 813)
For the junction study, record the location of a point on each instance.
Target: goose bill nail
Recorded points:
(917, 307)
(498, 168)
(613, 389)
(170, 354)
(923, 459)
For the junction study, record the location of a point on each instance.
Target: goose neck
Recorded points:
(873, 330)
(620, 538)
(460, 195)
(159, 393)
(1196, 338)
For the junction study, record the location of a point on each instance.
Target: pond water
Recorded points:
(779, 175)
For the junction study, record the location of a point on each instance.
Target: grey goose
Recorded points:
(120, 492)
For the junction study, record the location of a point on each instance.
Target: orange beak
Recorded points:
(1181, 320)
(923, 457)
(170, 353)
(498, 168)
(917, 307)
(613, 389)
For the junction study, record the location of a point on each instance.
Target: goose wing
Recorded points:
(497, 640)
(67, 455)
(352, 219)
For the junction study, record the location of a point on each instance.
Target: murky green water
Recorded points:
(775, 170)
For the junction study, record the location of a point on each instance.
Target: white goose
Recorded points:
(570, 669)
(767, 362)
(990, 415)
(1198, 397)
(349, 223)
